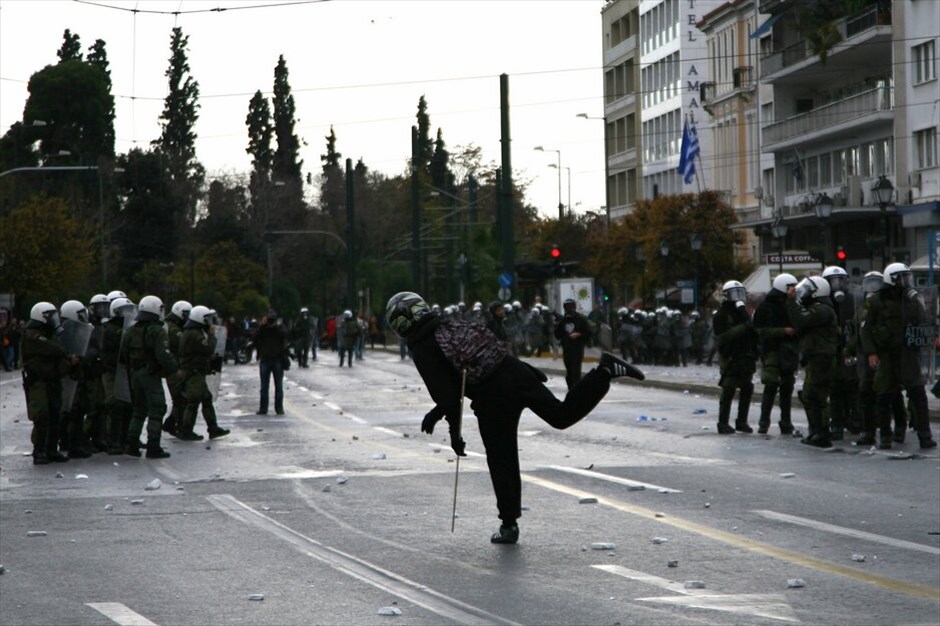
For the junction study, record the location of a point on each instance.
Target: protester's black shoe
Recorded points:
(281, 412)
(885, 444)
(926, 443)
(725, 429)
(260, 412)
(837, 435)
(132, 449)
(867, 439)
(169, 426)
(218, 432)
(40, 458)
(743, 427)
(617, 367)
(820, 441)
(190, 437)
(506, 534)
(157, 453)
(763, 427)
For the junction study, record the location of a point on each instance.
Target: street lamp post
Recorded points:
(696, 240)
(606, 163)
(552, 165)
(883, 192)
(664, 252)
(779, 230)
(561, 207)
(823, 209)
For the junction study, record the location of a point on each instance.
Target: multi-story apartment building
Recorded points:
(621, 27)
(732, 98)
(654, 65)
(849, 113)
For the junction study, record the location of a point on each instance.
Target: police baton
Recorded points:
(463, 384)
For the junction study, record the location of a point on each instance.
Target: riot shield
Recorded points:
(605, 337)
(75, 339)
(922, 336)
(214, 380)
(122, 380)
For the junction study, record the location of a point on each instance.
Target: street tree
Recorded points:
(48, 254)
(425, 147)
(177, 141)
(71, 48)
(98, 57)
(287, 165)
(332, 180)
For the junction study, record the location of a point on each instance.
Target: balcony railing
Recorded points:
(848, 27)
(860, 105)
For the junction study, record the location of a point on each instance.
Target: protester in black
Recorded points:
(574, 332)
(499, 386)
(271, 343)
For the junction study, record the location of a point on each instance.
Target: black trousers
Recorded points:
(498, 403)
(573, 356)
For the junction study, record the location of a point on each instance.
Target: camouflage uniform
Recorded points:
(196, 356)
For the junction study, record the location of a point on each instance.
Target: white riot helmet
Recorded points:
(536, 311)
(872, 282)
(838, 280)
(45, 313)
(623, 311)
(74, 310)
(121, 307)
(813, 286)
(100, 306)
(347, 314)
(783, 282)
(202, 315)
(899, 275)
(150, 309)
(516, 305)
(734, 291)
(181, 309)
(508, 308)
(114, 295)
(477, 306)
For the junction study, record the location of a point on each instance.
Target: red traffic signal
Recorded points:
(556, 252)
(840, 253)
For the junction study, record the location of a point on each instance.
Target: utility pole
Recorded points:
(505, 191)
(415, 213)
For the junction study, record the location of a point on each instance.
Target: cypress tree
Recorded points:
(71, 49)
(286, 166)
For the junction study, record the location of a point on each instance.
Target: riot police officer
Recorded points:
(893, 311)
(814, 318)
(175, 321)
(780, 354)
(843, 395)
(197, 359)
(149, 358)
(737, 356)
(45, 362)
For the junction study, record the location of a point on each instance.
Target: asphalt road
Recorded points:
(341, 509)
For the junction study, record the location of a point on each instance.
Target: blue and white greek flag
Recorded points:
(687, 152)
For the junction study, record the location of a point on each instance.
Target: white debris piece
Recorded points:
(708, 505)
(153, 485)
(389, 610)
(588, 500)
(341, 480)
(694, 584)
(265, 508)
(257, 597)
(787, 475)
(378, 456)
(795, 583)
(137, 501)
(116, 464)
(602, 546)
(858, 558)
(81, 476)
(109, 507)
(660, 540)
(36, 533)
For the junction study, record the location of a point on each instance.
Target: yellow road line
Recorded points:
(759, 547)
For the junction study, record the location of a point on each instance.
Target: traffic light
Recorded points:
(840, 254)
(556, 260)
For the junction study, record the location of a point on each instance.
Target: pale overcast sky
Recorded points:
(356, 64)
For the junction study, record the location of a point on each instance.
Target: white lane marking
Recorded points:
(120, 614)
(387, 430)
(769, 605)
(302, 388)
(355, 418)
(305, 473)
(613, 479)
(529, 433)
(438, 446)
(385, 580)
(12, 380)
(315, 396)
(848, 532)
(332, 405)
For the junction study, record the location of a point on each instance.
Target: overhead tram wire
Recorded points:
(192, 11)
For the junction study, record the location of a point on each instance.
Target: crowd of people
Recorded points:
(93, 375)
